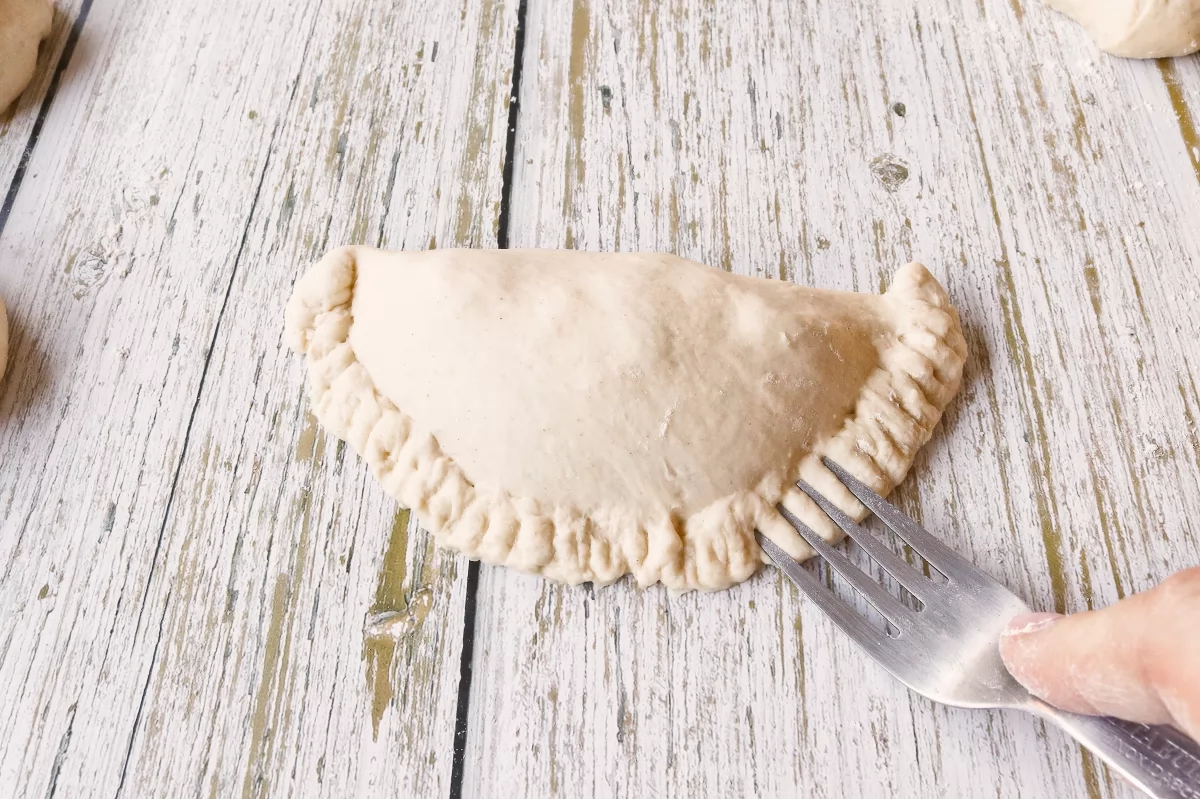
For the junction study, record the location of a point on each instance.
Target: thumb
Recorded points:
(1138, 660)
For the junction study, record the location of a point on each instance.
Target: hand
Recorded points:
(1137, 660)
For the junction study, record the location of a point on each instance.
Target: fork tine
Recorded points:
(864, 583)
(842, 614)
(903, 573)
(945, 559)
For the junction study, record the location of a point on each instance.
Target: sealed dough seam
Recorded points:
(900, 405)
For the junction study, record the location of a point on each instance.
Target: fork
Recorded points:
(949, 650)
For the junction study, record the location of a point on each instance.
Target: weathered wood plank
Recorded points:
(17, 122)
(1182, 80)
(185, 559)
(1050, 188)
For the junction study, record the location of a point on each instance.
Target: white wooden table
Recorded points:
(186, 560)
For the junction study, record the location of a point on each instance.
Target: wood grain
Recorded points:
(186, 561)
(204, 595)
(1049, 186)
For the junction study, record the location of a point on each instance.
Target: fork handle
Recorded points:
(1161, 761)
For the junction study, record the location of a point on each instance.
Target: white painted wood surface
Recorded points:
(1047, 185)
(186, 561)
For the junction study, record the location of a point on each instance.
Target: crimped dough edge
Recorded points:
(712, 549)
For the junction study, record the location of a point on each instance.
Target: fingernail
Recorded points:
(1031, 623)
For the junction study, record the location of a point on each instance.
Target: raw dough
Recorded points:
(1138, 28)
(23, 25)
(586, 415)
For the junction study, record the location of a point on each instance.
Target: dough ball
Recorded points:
(1138, 28)
(23, 25)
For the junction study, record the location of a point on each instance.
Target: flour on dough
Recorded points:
(23, 25)
(1138, 28)
(586, 415)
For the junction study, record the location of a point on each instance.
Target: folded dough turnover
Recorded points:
(587, 415)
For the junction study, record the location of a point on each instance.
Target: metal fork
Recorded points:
(949, 651)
